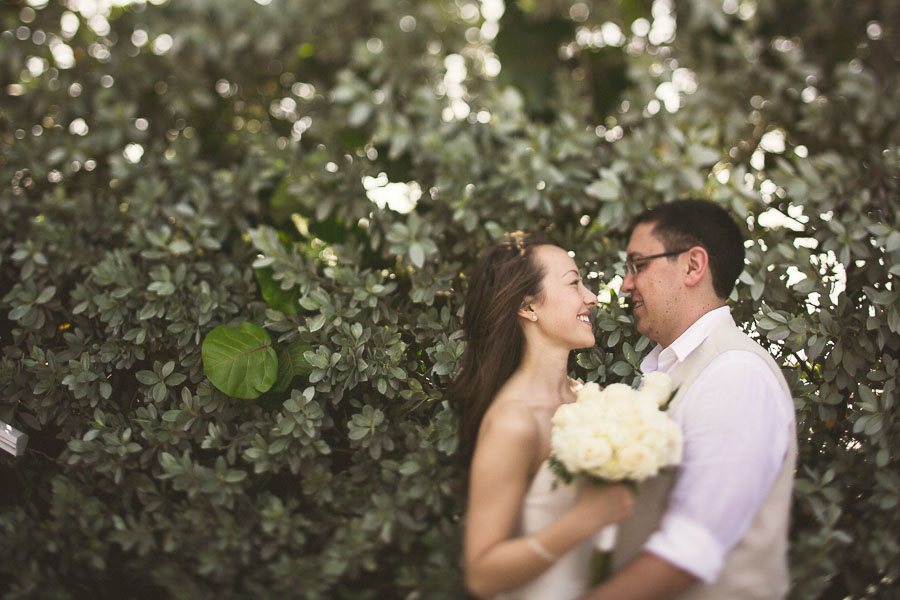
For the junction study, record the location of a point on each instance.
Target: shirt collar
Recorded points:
(665, 359)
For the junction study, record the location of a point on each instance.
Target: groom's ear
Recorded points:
(697, 266)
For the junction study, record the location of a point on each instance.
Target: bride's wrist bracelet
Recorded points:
(538, 548)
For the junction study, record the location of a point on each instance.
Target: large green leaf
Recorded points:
(240, 361)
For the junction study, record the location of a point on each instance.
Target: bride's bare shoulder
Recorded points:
(507, 440)
(510, 419)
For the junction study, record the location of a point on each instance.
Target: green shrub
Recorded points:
(201, 166)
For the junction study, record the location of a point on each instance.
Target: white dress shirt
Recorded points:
(736, 422)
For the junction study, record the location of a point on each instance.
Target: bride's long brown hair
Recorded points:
(502, 278)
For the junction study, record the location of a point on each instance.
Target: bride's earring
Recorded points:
(534, 317)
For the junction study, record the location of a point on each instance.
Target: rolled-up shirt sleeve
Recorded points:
(736, 422)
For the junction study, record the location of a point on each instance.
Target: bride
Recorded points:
(527, 536)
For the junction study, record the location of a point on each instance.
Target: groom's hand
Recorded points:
(647, 577)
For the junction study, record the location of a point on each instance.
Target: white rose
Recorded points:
(676, 443)
(638, 461)
(593, 452)
(565, 449)
(589, 391)
(657, 441)
(616, 392)
(614, 471)
(619, 434)
(565, 415)
(647, 403)
(658, 385)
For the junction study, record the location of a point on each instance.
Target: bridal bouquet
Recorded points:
(615, 434)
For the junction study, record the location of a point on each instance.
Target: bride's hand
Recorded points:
(600, 505)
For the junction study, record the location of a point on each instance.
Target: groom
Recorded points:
(717, 528)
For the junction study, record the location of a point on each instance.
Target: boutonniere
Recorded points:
(665, 405)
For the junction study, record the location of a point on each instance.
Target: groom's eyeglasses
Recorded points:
(633, 266)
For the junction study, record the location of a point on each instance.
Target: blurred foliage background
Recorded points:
(321, 174)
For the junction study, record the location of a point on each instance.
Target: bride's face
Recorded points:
(563, 312)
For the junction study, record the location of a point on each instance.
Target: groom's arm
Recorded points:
(647, 577)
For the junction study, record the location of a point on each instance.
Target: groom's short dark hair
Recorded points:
(687, 223)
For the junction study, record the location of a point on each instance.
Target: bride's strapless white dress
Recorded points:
(568, 577)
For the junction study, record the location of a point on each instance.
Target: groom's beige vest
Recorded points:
(756, 567)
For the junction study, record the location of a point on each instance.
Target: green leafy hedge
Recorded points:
(180, 172)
